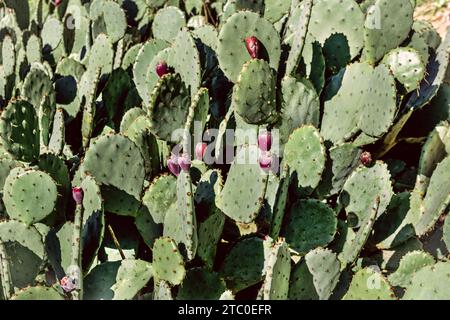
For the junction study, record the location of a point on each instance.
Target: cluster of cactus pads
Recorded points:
(349, 101)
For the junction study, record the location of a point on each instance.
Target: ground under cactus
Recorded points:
(227, 149)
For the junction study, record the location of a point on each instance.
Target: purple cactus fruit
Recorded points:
(366, 158)
(77, 194)
(173, 165)
(57, 3)
(252, 44)
(265, 141)
(68, 284)
(200, 149)
(162, 69)
(185, 162)
(265, 161)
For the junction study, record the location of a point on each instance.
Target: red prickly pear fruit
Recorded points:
(173, 165)
(200, 149)
(77, 194)
(162, 69)
(265, 161)
(252, 44)
(366, 158)
(184, 162)
(265, 141)
(57, 3)
(67, 284)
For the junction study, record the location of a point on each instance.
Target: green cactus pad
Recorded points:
(29, 196)
(169, 107)
(168, 263)
(168, 32)
(368, 284)
(6, 165)
(147, 227)
(436, 73)
(409, 265)
(125, 172)
(361, 189)
(208, 187)
(87, 91)
(301, 106)
(184, 58)
(302, 283)
(434, 150)
(160, 196)
(130, 56)
(277, 270)
(325, 269)
(274, 10)
(120, 202)
(360, 104)
(305, 154)
(209, 234)
(38, 293)
(242, 270)
(57, 139)
(111, 17)
(279, 207)
(407, 67)
(242, 201)
(383, 30)
(58, 245)
(446, 232)
(162, 291)
(26, 236)
(344, 17)
(254, 93)
(429, 283)
(8, 56)
(231, 50)
(36, 86)
(311, 224)
(52, 33)
(201, 284)
(101, 55)
(145, 65)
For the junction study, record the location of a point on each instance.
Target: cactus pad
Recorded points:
(168, 263)
(201, 284)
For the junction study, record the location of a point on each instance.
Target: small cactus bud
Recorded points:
(173, 165)
(252, 44)
(185, 162)
(265, 161)
(77, 194)
(200, 149)
(366, 158)
(57, 3)
(265, 141)
(68, 284)
(162, 69)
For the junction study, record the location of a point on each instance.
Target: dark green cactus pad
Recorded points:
(185, 59)
(369, 284)
(274, 10)
(325, 269)
(144, 66)
(301, 106)
(180, 222)
(125, 172)
(26, 236)
(209, 234)
(208, 187)
(277, 270)
(160, 195)
(233, 6)
(147, 227)
(311, 224)
(120, 202)
(429, 283)
(38, 293)
(169, 107)
(254, 93)
(279, 207)
(302, 283)
(298, 25)
(231, 50)
(383, 30)
(117, 280)
(109, 18)
(168, 263)
(409, 265)
(361, 189)
(58, 246)
(242, 270)
(201, 284)
(168, 32)
(434, 149)
(115, 92)
(436, 73)
(305, 153)
(87, 91)
(36, 86)
(242, 201)
(344, 17)
(354, 244)
(101, 54)
(360, 105)
(29, 196)
(6, 165)
(407, 67)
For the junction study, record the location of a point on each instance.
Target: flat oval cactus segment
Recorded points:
(410, 264)
(168, 264)
(429, 283)
(369, 284)
(38, 293)
(164, 31)
(231, 50)
(201, 284)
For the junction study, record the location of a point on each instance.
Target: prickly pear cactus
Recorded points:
(223, 149)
